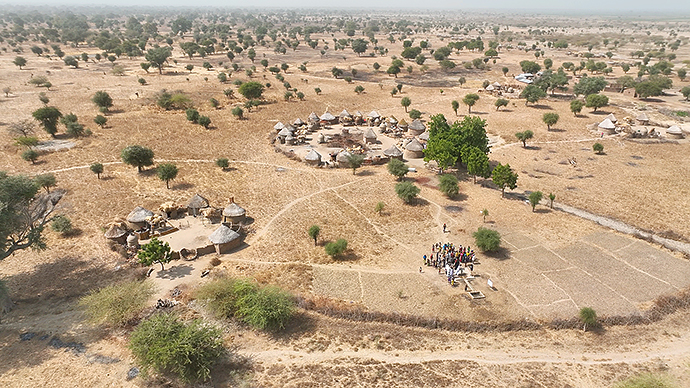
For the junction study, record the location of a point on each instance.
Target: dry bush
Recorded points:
(117, 304)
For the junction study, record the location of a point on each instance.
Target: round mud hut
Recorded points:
(137, 218)
(278, 126)
(234, 213)
(416, 127)
(369, 136)
(612, 118)
(393, 152)
(313, 118)
(328, 118)
(675, 132)
(607, 125)
(343, 158)
(196, 203)
(313, 158)
(414, 149)
(225, 239)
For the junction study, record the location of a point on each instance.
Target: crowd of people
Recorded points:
(450, 260)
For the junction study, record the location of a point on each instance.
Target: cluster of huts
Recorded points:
(638, 127)
(411, 137)
(143, 224)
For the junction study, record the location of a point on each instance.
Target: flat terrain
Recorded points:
(551, 264)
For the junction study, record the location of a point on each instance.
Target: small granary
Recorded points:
(403, 125)
(415, 149)
(116, 233)
(607, 125)
(234, 213)
(328, 118)
(416, 127)
(195, 204)
(313, 118)
(642, 118)
(298, 122)
(393, 152)
(278, 126)
(345, 116)
(138, 217)
(313, 158)
(369, 136)
(225, 239)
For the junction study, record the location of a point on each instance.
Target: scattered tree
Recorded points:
(455, 105)
(407, 191)
(71, 61)
(359, 89)
(192, 115)
(448, 184)
(576, 106)
(470, 100)
(379, 207)
(48, 117)
(501, 102)
(335, 249)
(251, 90)
(167, 172)
(596, 101)
(532, 93)
(598, 148)
(397, 168)
(478, 164)
(237, 112)
(485, 213)
(313, 232)
(415, 114)
(550, 119)
(205, 121)
(589, 85)
(686, 92)
(524, 136)
(155, 251)
(118, 304)
(100, 120)
(355, 161)
(102, 100)
(488, 240)
(534, 198)
(588, 317)
(405, 102)
(30, 155)
(97, 168)
(46, 181)
(20, 62)
(552, 196)
(223, 163)
(137, 156)
(503, 176)
(62, 224)
(158, 56)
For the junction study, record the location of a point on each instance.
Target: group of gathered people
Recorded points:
(452, 260)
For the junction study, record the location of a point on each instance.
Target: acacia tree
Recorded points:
(251, 90)
(470, 100)
(407, 191)
(155, 251)
(455, 105)
(46, 181)
(97, 168)
(24, 213)
(167, 172)
(501, 102)
(355, 161)
(19, 62)
(550, 119)
(532, 94)
(397, 168)
(503, 176)
(478, 164)
(313, 232)
(158, 56)
(102, 100)
(576, 106)
(596, 101)
(137, 156)
(48, 117)
(524, 136)
(405, 102)
(534, 198)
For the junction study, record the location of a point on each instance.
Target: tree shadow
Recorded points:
(182, 186)
(556, 130)
(458, 197)
(532, 147)
(366, 173)
(348, 255)
(542, 107)
(107, 177)
(600, 113)
(175, 272)
(543, 210)
(301, 323)
(500, 254)
(148, 172)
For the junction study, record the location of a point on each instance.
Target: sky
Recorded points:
(622, 7)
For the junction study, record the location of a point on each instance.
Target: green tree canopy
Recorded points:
(576, 106)
(313, 232)
(48, 117)
(532, 93)
(359, 46)
(20, 62)
(46, 181)
(530, 67)
(407, 191)
(102, 100)
(137, 156)
(449, 144)
(335, 249)
(397, 168)
(96, 168)
(251, 90)
(155, 251)
(405, 102)
(550, 119)
(501, 102)
(355, 161)
(158, 56)
(167, 172)
(478, 164)
(589, 85)
(488, 240)
(524, 136)
(534, 198)
(448, 184)
(596, 101)
(470, 100)
(503, 176)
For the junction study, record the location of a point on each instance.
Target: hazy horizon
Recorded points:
(585, 7)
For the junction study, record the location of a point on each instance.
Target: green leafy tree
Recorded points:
(686, 92)
(48, 117)
(596, 101)
(405, 102)
(550, 119)
(62, 224)
(223, 163)
(146, 66)
(97, 168)
(524, 136)
(30, 155)
(46, 181)
(336, 72)
(588, 317)
(192, 115)
(23, 213)
(359, 89)
(682, 73)
(415, 114)
(501, 102)
(532, 93)
(455, 105)
(359, 46)
(167, 172)
(71, 61)
(598, 148)
(530, 67)
(251, 90)
(646, 89)
(379, 207)
(576, 106)
(488, 240)
(19, 62)
(158, 56)
(155, 251)
(589, 85)
(478, 164)
(470, 100)
(449, 144)
(313, 232)
(102, 100)
(167, 345)
(397, 168)
(485, 213)
(237, 112)
(394, 70)
(448, 184)
(355, 161)
(534, 198)
(137, 156)
(552, 197)
(205, 121)
(503, 176)
(100, 120)
(407, 191)
(335, 249)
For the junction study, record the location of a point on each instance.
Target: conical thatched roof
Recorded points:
(490, 88)
(139, 214)
(612, 118)
(345, 113)
(197, 202)
(284, 132)
(115, 232)
(424, 136)
(414, 146)
(359, 114)
(313, 156)
(392, 120)
(343, 156)
(417, 125)
(607, 124)
(642, 117)
(290, 128)
(402, 123)
(393, 151)
(223, 235)
(312, 117)
(298, 122)
(496, 85)
(374, 115)
(674, 130)
(327, 116)
(279, 126)
(369, 134)
(234, 210)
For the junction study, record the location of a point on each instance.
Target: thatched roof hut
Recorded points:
(393, 152)
(197, 202)
(234, 213)
(369, 136)
(490, 88)
(674, 131)
(416, 127)
(612, 118)
(643, 118)
(343, 158)
(278, 126)
(298, 122)
(402, 124)
(290, 128)
(414, 149)
(138, 217)
(374, 115)
(283, 134)
(313, 158)
(224, 239)
(116, 232)
(608, 125)
(313, 117)
(345, 113)
(328, 118)
(424, 136)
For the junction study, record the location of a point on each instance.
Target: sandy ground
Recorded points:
(553, 263)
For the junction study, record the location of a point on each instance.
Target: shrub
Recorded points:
(407, 191)
(62, 225)
(205, 121)
(214, 103)
(45, 181)
(588, 317)
(30, 155)
(313, 232)
(237, 112)
(268, 308)
(335, 249)
(102, 100)
(192, 115)
(379, 207)
(449, 185)
(177, 100)
(141, 81)
(115, 305)
(598, 148)
(487, 240)
(100, 120)
(646, 380)
(222, 163)
(415, 114)
(534, 198)
(397, 168)
(97, 168)
(167, 345)
(221, 295)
